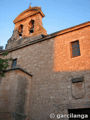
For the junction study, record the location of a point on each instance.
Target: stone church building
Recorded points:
(49, 75)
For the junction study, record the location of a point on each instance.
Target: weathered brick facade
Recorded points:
(46, 79)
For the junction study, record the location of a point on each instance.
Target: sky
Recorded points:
(59, 14)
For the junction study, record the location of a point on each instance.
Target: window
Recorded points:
(20, 30)
(78, 79)
(79, 114)
(31, 26)
(75, 48)
(14, 63)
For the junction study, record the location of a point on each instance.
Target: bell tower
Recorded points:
(29, 22)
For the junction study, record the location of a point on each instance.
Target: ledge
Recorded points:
(17, 68)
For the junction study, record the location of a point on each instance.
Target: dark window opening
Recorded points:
(82, 114)
(78, 79)
(20, 30)
(20, 34)
(31, 26)
(14, 63)
(31, 31)
(75, 48)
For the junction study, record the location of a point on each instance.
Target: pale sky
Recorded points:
(59, 14)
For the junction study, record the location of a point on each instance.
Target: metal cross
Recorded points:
(30, 4)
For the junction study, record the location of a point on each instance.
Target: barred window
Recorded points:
(75, 48)
(14, 63)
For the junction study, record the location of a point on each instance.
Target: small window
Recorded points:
(75, 48)
(78, 79)
(79, 114)
(14, 63)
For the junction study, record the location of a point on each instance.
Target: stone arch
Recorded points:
(20, 30)
(31, 26)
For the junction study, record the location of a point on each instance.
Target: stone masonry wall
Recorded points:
(14, 95)
(63, 51)
(52, 90)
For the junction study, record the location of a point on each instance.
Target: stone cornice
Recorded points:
(36, 10)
